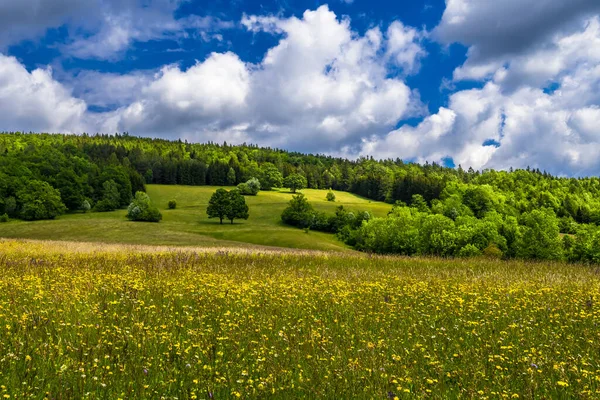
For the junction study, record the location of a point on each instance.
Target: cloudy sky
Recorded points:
(487, 84)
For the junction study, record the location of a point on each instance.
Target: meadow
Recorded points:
(85, 320)
(188, 224)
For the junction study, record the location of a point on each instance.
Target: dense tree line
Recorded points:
(103, 172)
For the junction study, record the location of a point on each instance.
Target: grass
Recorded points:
(93, 321)
(188, 224)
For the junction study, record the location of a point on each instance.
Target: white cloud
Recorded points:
(321, 86)
(517, 48)
(27, 19)
(404, 46)
(35, 101)
(496, 29)
(102, 29)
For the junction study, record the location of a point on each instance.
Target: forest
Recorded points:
(437, 210)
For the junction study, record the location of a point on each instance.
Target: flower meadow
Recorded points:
(94, 321)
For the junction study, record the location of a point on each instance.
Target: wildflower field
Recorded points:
(94, 321)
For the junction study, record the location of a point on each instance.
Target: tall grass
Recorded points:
(84, 321)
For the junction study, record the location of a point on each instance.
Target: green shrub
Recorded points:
(4, 217)
(141, 209)
(299, 212)
(85, 206)
(249, 188)
(470, 250)
(39, 200)
(172, 204)
(492, 251)
(330, 196)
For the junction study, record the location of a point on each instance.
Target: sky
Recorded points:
(476, 83)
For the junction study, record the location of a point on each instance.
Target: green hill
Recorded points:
(188, 224)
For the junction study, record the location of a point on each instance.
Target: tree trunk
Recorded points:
(231, 222)
(221, 221)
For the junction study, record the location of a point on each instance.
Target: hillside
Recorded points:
(188, 224)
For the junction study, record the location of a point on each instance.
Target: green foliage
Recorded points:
(469, 250)
(249, 188)
(111, 198)
(419, 203)
(141, 209)
(80, 166)
(237, 209)
(330, 196)
(172, 204)
(227, 204)
(299, 212)
(218, 205)
(10, 206)
(38, 200)
(540, 236)
(85, 206)
(295, 182)
(4, 218)
(270, 177)
(231, 177)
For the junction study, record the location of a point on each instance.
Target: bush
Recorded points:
(249, 188)
(39, 200)
(4, 217)
(470, 250)
(141, 209)
(172, 204)
(330, 196)
(299, 212)
(492, 251)
(85, 206)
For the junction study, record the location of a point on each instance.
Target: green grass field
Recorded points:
(188, 225)
(101, 321)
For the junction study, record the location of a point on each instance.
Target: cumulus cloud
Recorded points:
(34, 101)
(495, 29)
(102, 29)
(26, 19)
(557, 130)
(539, 102)
(321, 86)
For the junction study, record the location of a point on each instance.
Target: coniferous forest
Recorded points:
(437, 210)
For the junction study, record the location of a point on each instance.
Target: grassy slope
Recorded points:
(188, 225)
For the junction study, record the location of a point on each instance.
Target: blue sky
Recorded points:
(471, 82)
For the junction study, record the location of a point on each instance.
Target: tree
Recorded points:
(295, 182)
(418, 202)
(70, 188)
(540, 238)
(141, 209)
(299, 212)
(330, 196)
(231, 177)
(218, 205)
(270, 177)
(111, 198)
(238, 209)
(39, 200)
(10, 206)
